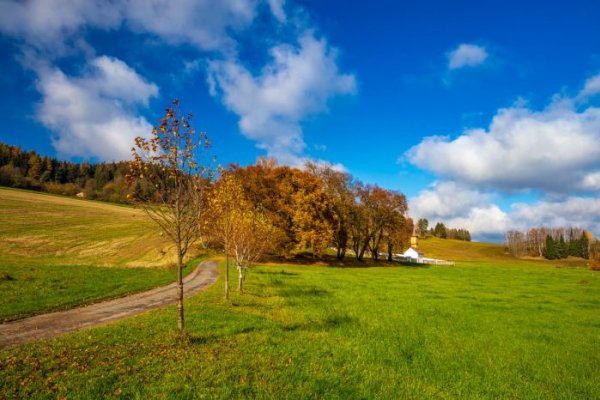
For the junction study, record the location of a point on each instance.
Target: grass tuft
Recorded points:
(5, 276)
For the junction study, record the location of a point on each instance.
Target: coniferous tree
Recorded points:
(422, 224)
(550, 251)
(562, 248)
(440, 230)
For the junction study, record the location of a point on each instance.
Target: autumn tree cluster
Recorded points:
(311, 209)
(551, 243)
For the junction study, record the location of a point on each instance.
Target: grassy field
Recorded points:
(477, 330)
(457, 250)
(57, 252)
(44, 229)
(462, 251)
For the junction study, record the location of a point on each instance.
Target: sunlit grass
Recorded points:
(32, 290)
(43, 229)
(477, 330)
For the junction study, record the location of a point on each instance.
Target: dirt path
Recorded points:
(57, 323)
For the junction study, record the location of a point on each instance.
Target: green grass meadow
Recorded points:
(28, 290)
(476, 330)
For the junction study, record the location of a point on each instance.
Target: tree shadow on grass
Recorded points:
(412, 265)
(329, 322)
(198, 339)
(282, 272)
(330, 261)
(304, 292)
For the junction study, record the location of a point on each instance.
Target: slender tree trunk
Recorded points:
(364, 248)
(342, 244)
(180, 321)
(240, 279)
(341, 253)
(390, 250)
(375, 250)
(227, 270)
(376, 241)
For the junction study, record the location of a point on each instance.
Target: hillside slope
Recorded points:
(50, 230)
(458, 250)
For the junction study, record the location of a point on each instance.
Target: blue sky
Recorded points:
(486, 115)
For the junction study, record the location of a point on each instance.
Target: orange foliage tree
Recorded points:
(338, 186)
(312, 213)
(378, 210)
(252, 237)
(241, 228)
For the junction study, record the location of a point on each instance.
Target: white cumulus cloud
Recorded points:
(297, 82)
(204, 24)
(552, 150)
(590, 88)
(467, 55)
(277, 8)
(446, 200)
(485, 223)
(582, 212)
(592, 181)
(95, 114)
(46, 24)
(459, 206)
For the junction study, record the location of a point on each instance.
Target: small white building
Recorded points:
(413, 255)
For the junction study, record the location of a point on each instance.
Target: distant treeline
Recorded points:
(30, 170)
(552, 243)
(441, 231)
